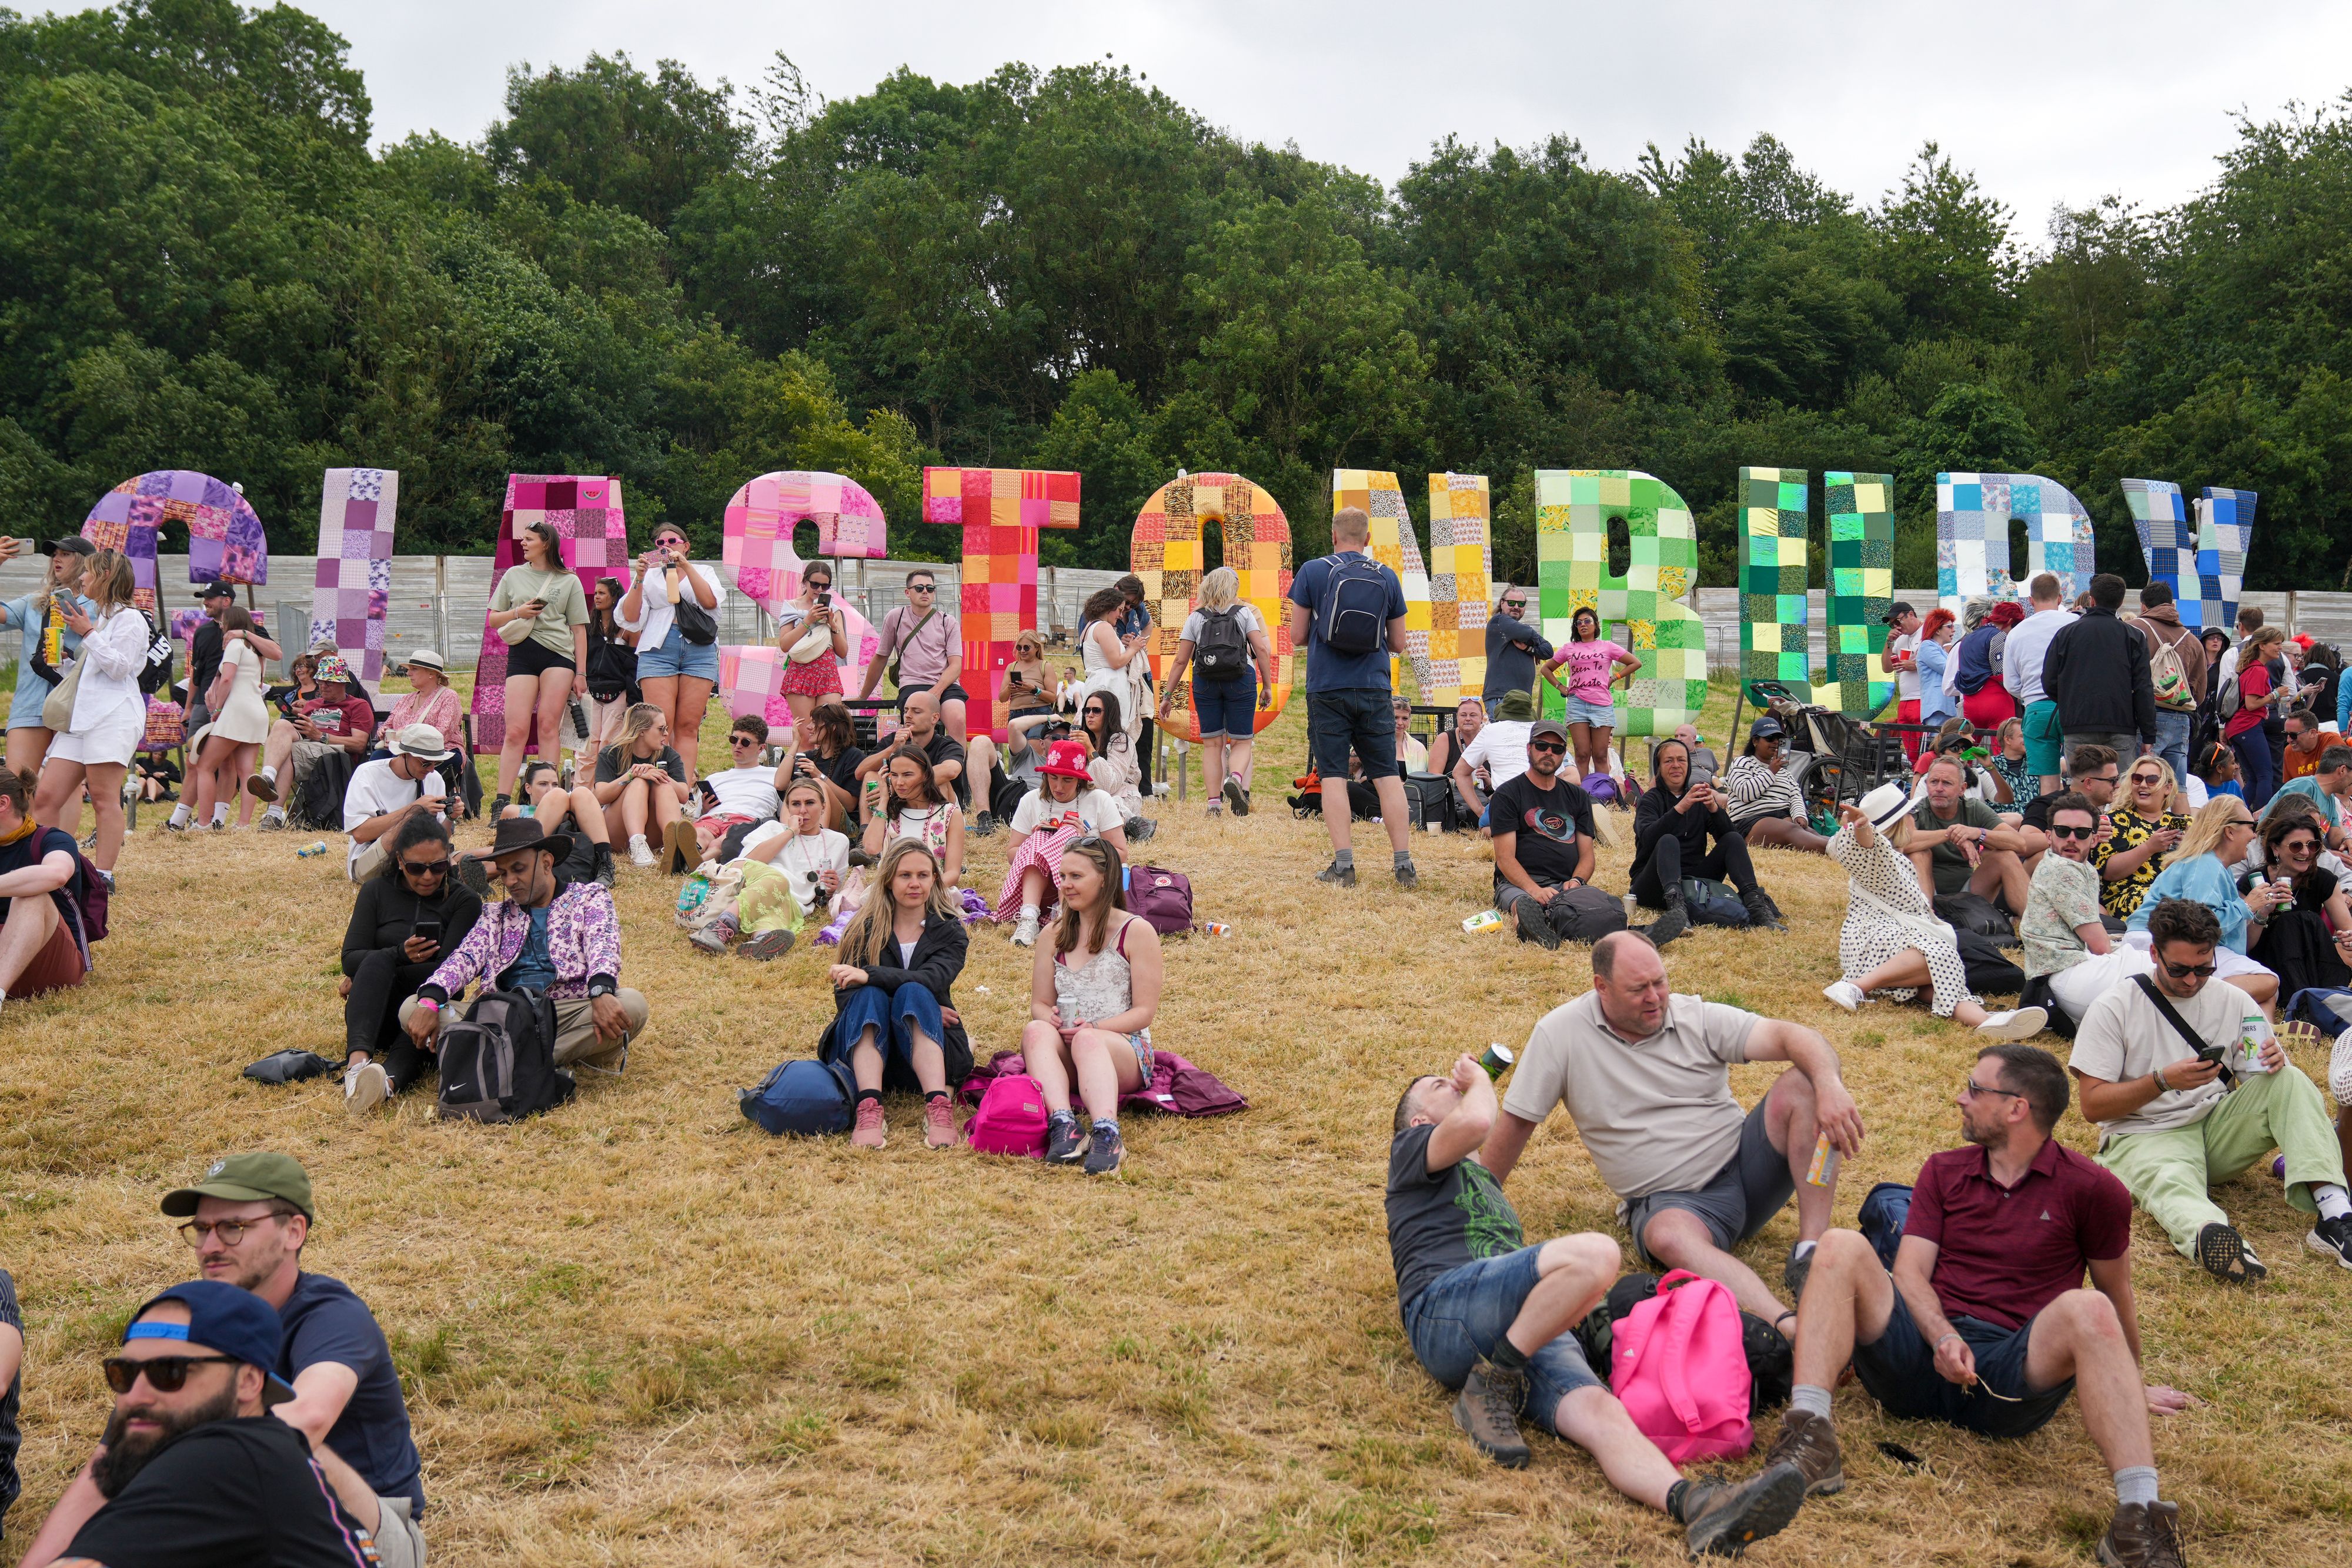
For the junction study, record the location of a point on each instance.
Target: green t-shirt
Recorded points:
(1945, 863)
(566, 603)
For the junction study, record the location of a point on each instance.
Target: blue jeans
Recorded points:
(2254, 749)
(1462, 1315)
(674, 655)
(2172, 740)
(896, 1017)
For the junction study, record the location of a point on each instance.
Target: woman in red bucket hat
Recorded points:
(1064, 807)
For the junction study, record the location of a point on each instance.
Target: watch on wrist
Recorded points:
(599, 989)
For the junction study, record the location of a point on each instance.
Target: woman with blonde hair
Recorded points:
(1094, 991)
(640, 782)
(1030, 685)
(110, 712)
(2217, 838)
(2144, 826)
(44, 630)
(895, 1019)
(1231, 683)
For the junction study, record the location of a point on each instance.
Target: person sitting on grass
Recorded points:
(1496, 753)
(2138, 834)
(383, 794)
(895, 1019)
(1764, 791)
(2176, 1114)
(574, 813)
(950, 763)
(744, 796)
(1469, 718)
(640, 782)
(1892, 940)
(2217, 838)
(1117, 765)
(829, 752)
(562, 940)
(2325, 789)
(1093, 991)
(812, 859)
(1959, 845)
(2304, 942)
(1542, 827)
(1646, 1078)
(1673, 823)
(42, 945)
(1012, 772)
(2213, 771)
(1984, 1324)
(916, 808)
(2065, 936)
(337, 719)
(1064, 806)
(406, 916)
(1491, 1316)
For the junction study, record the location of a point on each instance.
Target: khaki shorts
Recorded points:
(399, 1542)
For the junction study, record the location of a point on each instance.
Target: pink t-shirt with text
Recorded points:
(1589, 666)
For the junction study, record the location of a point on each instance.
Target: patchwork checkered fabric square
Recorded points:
(589, 526)
(1165, 550)
(1394, 546)
(999, 511)
(350, 591)
(1461, 587)
(1573, 510)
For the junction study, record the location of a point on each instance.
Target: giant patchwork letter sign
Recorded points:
(2205, 566)
(999, 511)
(1165, 551)
(1461, 588)
(1775, 642)
(586, 509)
(757, 554)
(1972, 517)
(225, 537)
(1572, 511)
(1393, 545)
(353, 590)
(1861, 591)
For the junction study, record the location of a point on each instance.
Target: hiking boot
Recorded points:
(1103, 1151)
(2226, 1256)
(1407, 877)
(1761, 911)
(273, 821)
(1065, 1145)
(1344, 875)
(2143, 1535)
(498, 803)
(1723, 1517)
(938, 1123)
(767, 945)
(714, 937)
(1534, 926)
(606, 874)
(365, 1087)
(1772, 904)
(1488, 1411)
(868, 1132)
(261, 787)
(1809, 1442)
(1236, 797)
(472, 877)
(2331, 1238)
(1672, 921)
(983, 825)
(1025, 934)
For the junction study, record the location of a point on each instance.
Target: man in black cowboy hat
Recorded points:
(562, 940)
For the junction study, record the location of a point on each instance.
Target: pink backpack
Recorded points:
(1677, 1363)
(1011, 1118)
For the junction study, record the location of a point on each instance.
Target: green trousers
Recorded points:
(2170, 1173)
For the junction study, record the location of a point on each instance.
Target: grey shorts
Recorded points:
(1740, 1199)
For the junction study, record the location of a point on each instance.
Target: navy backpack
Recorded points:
(810, 1098)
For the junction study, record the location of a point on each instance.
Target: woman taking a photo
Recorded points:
(907, 802)
(227, 748)
(641, 782)
(1228, 705)
(815, 639)
(109, 712)
(1030, 685)
(44, 631)
(612, 665)
(1107, 657)
(1063, 807)
(541, 614)
(675, 674)
(2217, 838)
(406, 918)
(894, 1017)
(1093, 991)
(1595, 665)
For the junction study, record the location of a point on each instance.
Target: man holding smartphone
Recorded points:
(385, 793)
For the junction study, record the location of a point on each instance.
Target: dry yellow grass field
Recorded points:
(641, 1332)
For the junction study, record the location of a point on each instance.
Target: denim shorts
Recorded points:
(1741, 1198)
(1461, 1314)
(1227, 708)
(676, 656)
(1360, 719)
(1598, 715)
(24, 707)
(1899, 1371)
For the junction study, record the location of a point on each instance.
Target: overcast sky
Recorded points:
(2059, 100)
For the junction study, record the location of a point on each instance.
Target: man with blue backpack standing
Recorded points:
(1348, 610)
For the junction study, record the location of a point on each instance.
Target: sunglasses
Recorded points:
(1514, 605)
(742, 740)
(2298, 846)
(1550, 748)
(2145, 778)
(165, 1374)
(922, 587)
(2059, 832)
(1093, 711)
(428, 868)
(2182, 971)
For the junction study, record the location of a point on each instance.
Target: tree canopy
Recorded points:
(204, 264)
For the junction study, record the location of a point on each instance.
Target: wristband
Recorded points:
(1947, 1333)
(2161, 1086)
(428, 1004)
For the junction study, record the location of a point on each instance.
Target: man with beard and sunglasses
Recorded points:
(194, 1471)
(1543, 851)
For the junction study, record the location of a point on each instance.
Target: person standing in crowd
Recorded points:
(1931, 651)
(406, 916)
(110, 712)
(1064, 807)
(1225, 644)
(2249, 622)
(1347, 611)
(1109, 657)
(1902, 657)
(1093, 992)
(541, 614)
(744, 796)
(1646, 1078)
(1977, 665)
(829, 753)
(43, 946)
(2163, 1065)
(1984, 1324)
(1595, 666)
(2067, 945)
(613, 686)
(676, 672)
(2097, 673)
(2140, 833)
(337, 719)
(248, 1219)
(814, 637)
(205, 644)
(38, 617)
(2022, 671)
(641, 783)
(894, 1017)
(1513, 645)
(1674, 824)
(1961, 846)
(2176, 665)
(2260, 666)
(224, 748)
(1495, 751)
(381, 795)
(923, 650)
(1764, 791)
(1491, 1316)
(1135, 621)
(1542, 827)
(2217, 838)
(907, 802)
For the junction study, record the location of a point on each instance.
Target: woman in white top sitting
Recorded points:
(109, 712)
(1093, 991)
(1063, 807)
(792, 869)
(1114, 768)
(905, 801)
(675, 675)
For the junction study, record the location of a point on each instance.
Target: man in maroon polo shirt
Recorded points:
(1985, 1324)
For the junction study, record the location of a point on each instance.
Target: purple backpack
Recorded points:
(1011, 1118)
(1161, 896)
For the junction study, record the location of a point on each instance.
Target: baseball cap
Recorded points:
(1550, 726)
(246, 1178)
(216, 590)
(70, 544)
(1767, 728)
(1897, 611)
(231, 1321)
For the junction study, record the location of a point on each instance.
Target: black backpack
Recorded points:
(1355, 605)
(1223, 653)
(157, 673)
(498, 1064)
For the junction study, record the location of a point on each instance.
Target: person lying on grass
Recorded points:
(1064, 805)
(1646, 1078)
(1984, 1324)
(1092, 990)
(1490, 1315)
(744, 796)
(894, 1019)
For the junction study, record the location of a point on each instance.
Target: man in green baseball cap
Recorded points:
(246, 1179)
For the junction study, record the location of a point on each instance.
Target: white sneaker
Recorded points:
(2018, 1023)
(365, 1087)
(1845, 994)
(638, 853)
(1025, 934)
(273, 821)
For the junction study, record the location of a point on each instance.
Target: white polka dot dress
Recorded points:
(1900, 917)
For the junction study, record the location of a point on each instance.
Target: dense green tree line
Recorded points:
(202, 263)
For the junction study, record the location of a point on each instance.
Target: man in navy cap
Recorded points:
(194, 1470)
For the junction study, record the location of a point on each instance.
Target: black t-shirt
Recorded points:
(36, 847)
(841, 768)
(240, 1493)
(205, 652)
(1544, 825)
(1443, 1220)
(945, 747)
(9, 1438)
(324, 1320)
(615, 760)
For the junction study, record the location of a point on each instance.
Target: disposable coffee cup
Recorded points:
(1497, 1059)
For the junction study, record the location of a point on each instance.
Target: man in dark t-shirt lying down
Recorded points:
(1985, 1324)
(1490, 1315)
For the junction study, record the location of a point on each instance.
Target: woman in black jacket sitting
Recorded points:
(1672, 822)
(894, 1013)
(406, 919)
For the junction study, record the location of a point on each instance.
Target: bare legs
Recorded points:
(1679, 1239)
(58, 802)
(1908, 970)
(531, 698)
(686, 721)
(31, 923)
(638, 804)
(1102, 1063)
(1785, 831)
(1591, 744)
(27, 748)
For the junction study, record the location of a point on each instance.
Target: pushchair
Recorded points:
(1851, 756)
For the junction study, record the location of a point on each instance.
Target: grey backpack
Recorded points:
(499, 1064)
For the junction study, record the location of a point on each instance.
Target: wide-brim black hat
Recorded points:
(516, 834)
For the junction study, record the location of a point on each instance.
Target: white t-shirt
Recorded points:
(2123, 1036)
(746, 792)
(1502, 745)
(655, 613)
(374, 789)
(802, 857)
(1906, 679)
(1099, 812)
